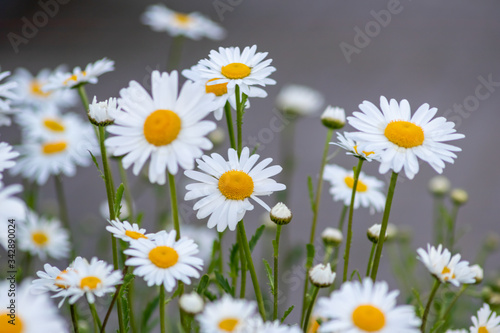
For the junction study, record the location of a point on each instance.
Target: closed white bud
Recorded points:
(101, 113)
(439, 185)
(332, 237)
(191, 303)
(299, 100)
(373, 232)
(321, 276)
(280, 214)
(333, 117)
(459, 196)
(479, 273)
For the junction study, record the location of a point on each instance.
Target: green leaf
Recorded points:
(213, 262)
(355, 272)
(310, 187)
(270, 275)
(211, 297)
(310, 255)
(129, 277)
(148, 312)
(202, 286)
(420, 307)
(118, 200)
(287, 312)
(97, 165)
(233, 260)
(223, 283)
(138, 218)
(256, 236)
(437, 325)
(254, 150)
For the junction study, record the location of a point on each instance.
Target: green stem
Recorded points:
(243, 263)
(336, 251)
(74, 318)
(349, 222)
(63, 210)
(328, 253)
(288, 159)
(437, 283)
(175, 52)
(174, 206)
(128, 194)
(438, 219)
(276, 269)
(251, 268)
(97, 321)
(448, 309)
(130, 298)
(451, 227)
(113, 301)
(383, 228)
(221, 254)
(229, 121)
(162, 308)
(310, 308)
(369, 266)
(83, 97)
(239, 119)
(31, 195)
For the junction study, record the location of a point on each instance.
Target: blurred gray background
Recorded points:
(428, 52)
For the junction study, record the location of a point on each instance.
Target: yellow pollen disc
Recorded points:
(59, 278)
(236, 185)
(404, 134)
(446, 270)
(36, 89)
(228, 324)
(53, 125)
(40, 238)
(162, 127)
(53, 147)
(368, 318)
(6, 327)
(236, 70)
(182, 19)
(134, 234)
(73, 78)
(217, 89)
(90, 282)
(361, 187)
(482, 329)
(163, 256)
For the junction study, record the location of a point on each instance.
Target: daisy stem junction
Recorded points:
(347, 252)
(310, 307)
(276, 245)
(383, 228)
(435, 287)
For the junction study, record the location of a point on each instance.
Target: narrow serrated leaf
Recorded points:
(437, 325)
(148, 312)
(420, 307)
(211, 297)
(118, 199)
(310, 187)
(97, 165)
(355, 272)
(270, 276)
(223, 283)
(202, 286)
(287, 312)
(233, 260)
(255, 238)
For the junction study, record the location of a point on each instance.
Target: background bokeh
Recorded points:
(430, 52)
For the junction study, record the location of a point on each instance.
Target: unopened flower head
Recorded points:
(354, 148)
(444, 267)
(373, 232)
(402, 139)
(192, 25)
(366, 306)
(478, 273)
(126, 231)
(459, 196)
(299, 100)
(332, 236)
(321, 275)
(227, 186)
(280, 214)
(486, 321)
(439, 185)
(101, 113)
(191, 303)
(333, 117)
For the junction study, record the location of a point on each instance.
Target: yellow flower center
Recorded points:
(182, 19)
(7, 327)
(404, 134)
(236, 185)
(163, 256)
(361, 187)
(53, 147)
(90, 282)
(73, 78)
(54, 125)
(162, 127)
(59, 278)
(368, 318)
(217, 89)
(314, 326)
(36, 89)
(228, 324)
(482, 329)
(134, 234)
(367, 153)
(446, 270)
(236, 70)
(39, 238)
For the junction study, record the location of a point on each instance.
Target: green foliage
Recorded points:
(118, 200)
(223, 283)
(287, 312)
(202, 286)
(146, 325)
(255, 238)
(270, 276)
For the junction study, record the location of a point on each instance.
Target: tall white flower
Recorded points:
(486, 321)
(299, 100)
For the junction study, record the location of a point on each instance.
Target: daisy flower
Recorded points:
(368, 191)
(333, 117)
(245, 69)
(33, 313)
(256, 325)
(226, 187)
(299, 100)
(164, 260)
(366, 307)
(192, 25)
(402, 138)
(7, 95)
(444, 267)
(96, 278)
(29, 89)
(102, 113)
(91, 73)
(457, 331)
(10, 208)
(43, 237)
(486, 321)
(226, 315)
(126, 231)
(353, 148)
(6, 158)
(166, 127)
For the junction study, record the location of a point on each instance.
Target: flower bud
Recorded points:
(321, 276)
(280, 214)
(299, 100)
(191, 303)
(459, 196)
(101, 113)
(479, 273)
(439, 185)
(333, 117)
(331, 237)
(373, 232)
